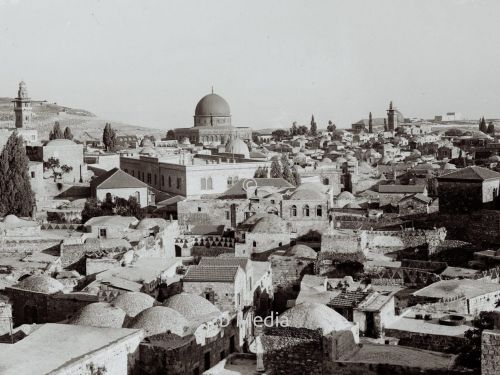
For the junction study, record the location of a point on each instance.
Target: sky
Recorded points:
(148, 62)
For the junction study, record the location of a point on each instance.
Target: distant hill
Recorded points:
(83, 124)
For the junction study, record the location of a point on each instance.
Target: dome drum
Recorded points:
(212, 110)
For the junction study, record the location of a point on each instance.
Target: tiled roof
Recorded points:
(116, 179)
(224, 262)
(473, 173)
(224, 274)
(348, 299)
(406, 189)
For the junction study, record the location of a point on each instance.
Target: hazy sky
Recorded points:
(149, 62)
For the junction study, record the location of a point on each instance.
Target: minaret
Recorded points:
(22, 107)
(370, 123)
(390, 118)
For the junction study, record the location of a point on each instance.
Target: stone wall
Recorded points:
(164, 354)
(490, 353)
(438, 343)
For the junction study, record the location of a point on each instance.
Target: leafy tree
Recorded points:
(68, 134)
(314, 127)
(57, 169)
(279, 134)
(258, 173)
(16, 196)
(491, 128)
(56, 132)
(302, 130)
(482, 125)
(296, 176)
(92, 208)
(286, 172)
(109, 137)
(170, 135)
(276, 171)
(331, 126)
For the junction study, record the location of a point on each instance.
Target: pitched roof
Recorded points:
(473, 173)
(225, 274)
(116, 179)
(419, 197)
(406, 189)
(224, 262)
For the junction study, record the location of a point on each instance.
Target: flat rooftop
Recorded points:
(53, 346)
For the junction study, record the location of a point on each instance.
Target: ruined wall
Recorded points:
(490, 353)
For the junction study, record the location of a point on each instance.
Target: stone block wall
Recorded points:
(490, 353)
(437, 343)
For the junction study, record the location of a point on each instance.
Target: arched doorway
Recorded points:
(178, 251)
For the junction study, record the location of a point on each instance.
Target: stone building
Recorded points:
(490, 352)
(468, 189)
(118, 184)
(212, 123)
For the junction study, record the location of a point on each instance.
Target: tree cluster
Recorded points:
(331, 126)
(482, 125)
(118, 206)
(109, 137)
(279, 134)
(281, 169)
(170, 135)
(16, 196)
(262, 172)
(57, 133)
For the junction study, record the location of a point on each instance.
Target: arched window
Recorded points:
(306, 210)
(319, 211)
(254, 244)
(327, 181)
(293, 210)
(210, 185)
(169, 181)
(203, 183)
(229, 181)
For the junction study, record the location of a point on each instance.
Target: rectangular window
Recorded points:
(228, 215)
(162, 180)
(149, 178)
(32, 174)
(102, 232)
(178, 182)
(155, 179)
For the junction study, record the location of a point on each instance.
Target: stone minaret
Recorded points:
(390, 118)
(22, 107)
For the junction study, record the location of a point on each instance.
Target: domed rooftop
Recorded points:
(449, 166)
(146, 142)
(237, 146)
(11, 220)
(132, 303)
(340, 160)
(307, 191)
(316, 316)
(160, 319)
(40, 284)
(191, 306)
(212, 105)
(352, 205)
(151, 222)
(265, 223)
(326, 160)
(147, 151)
(302, 251)
(185, 141)
(346, 195)
(61, 142)
(99, 314)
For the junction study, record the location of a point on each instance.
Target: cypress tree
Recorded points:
(482, 125)
(276, 171)
(296, 176)
(370, 123)
(314, 127)
(109, 137)
(56, 132)
(68, 134)
(16, 196)
(491, 128)
(285, 168)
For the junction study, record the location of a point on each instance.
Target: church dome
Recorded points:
(146, 142)
(160, 319)
(99, 314)
(265, 223)
(316, 316)
(133, 302)
(40, 284)
(191, 306)
(302, 251)
(237, 146)
(212, 105)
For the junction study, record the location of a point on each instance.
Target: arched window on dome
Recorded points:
(203, 183)
(210, 185)
(293, 210)
(306, 210)
(229, 182)
(319, 211)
